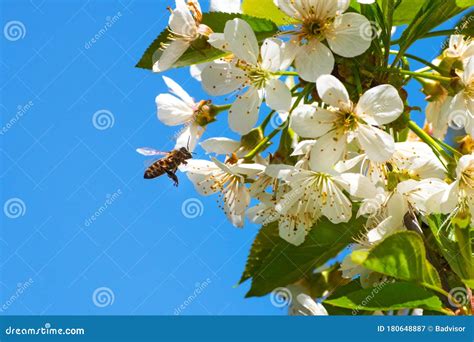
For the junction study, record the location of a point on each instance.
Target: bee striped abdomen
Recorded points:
(155, 170)
(169, 165)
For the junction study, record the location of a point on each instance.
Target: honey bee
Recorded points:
(168, 164)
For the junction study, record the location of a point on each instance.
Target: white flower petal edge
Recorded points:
(220, 145)
(351, 35)
(333, 92)
(241, 40)
(184, 30)
(228, 6)
(380, 105)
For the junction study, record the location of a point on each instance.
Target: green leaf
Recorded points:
(266, 239)
(401, 255)
(325, 281)
(456, 248)
(266, 9)
(431, 14)
(469, 282)
(465, 3)
(406, 11)
(388, 296)
(273, 262)
(200, 51)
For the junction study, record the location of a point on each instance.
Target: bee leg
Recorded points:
(173, 176)
(184, 162)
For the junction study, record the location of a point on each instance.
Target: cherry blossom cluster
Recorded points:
(344, 159)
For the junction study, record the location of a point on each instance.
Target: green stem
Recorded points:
(264, 141)
(357, 80)
(431, 34)
(267, 120)
(444, 293)
(418, 59)
(428, 139)
(420, 74)
(390, 8)
(220, 108)
(448, 147)
(285, 73)
(260, 147)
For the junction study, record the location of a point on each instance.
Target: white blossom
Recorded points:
(335, 126)
(178, 108)
(185, 27)
(251, 69)
(459, 195)
(320, 21)
(228, 179)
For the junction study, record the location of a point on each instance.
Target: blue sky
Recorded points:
(60, 170)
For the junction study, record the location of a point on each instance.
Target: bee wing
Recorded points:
(147, 163)
(147, 151)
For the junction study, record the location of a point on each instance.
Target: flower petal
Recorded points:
(358, 185)
(242, 40)
(189, 137)
(311, 122)
(271, 54)
(313, 60)
(170, 55)
(220, 78)
(218, 41)
(333, 92)
(292, 230)
(327, 151)
(228, 6)
(378, 145)
(352, 35)
(181, 20)
(303, 147)
(277, 95)
(437, 114)
(173, 111)
(177, 90)
(220, 145)
(243, 114)
(304, 305)
(380, 105)
(337, 207)
(288, 7)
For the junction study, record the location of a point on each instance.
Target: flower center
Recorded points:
(314, 29)
(347, 121)
(257, 76)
